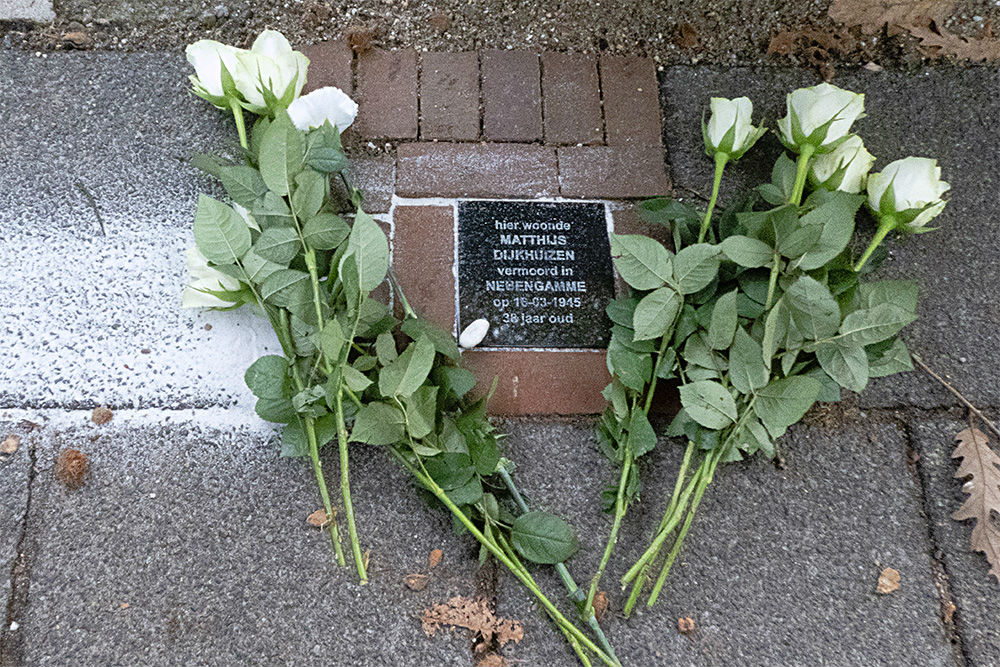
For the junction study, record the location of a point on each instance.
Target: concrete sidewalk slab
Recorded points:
(188, 544)
(14, 474)
(974, 591)
(26, 10)
(98, 320)
(948, 114)
(780, 565)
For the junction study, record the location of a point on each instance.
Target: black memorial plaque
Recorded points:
(540, 272)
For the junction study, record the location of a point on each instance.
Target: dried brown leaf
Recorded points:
(600, 604)
(888, 581)
(71, 468)
(318, 519)
(898, 15)
(685, 625)
(101, 415)
(434, 558)
(10, 444)
(687, 36)
(982, 466)
(473, 614)
(491, 660)
(416, 582)
(936, 41)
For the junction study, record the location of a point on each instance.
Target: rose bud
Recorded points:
(474, 334)
(729, 130)
(819, 118)
(845, 168)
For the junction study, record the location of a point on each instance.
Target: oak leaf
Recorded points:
(936, 41)
(982, 466)
(897, 15)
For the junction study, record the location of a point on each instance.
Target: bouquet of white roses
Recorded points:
(349, 370)
(759, 312)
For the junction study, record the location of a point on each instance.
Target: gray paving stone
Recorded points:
(79, 312)
(780, 565)
(948, 114)
(199, 528)
(974, 591)
(14, 471)
(26, 10)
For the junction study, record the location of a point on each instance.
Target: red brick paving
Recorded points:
(512, 96)
(476, 170)
(571, 98)
(631, 100)
(423, 255)
(329, 65)
(500, 124)
(387, 94)
(561, 382)
(613, 172)
(449, 96)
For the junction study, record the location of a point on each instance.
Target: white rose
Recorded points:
(819, 117)
(325, 104)
(909, 191)
(207, 57)
(474, 334)
(271, 64)
(203, 280)
(729, 129)
(845, 168)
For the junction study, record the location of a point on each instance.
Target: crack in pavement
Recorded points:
(12, 633)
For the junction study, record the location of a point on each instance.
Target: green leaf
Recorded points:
(467, 494)
(332, 341)
(369, 247)
(324, 152)
(708, 403)
(799, 241)
(282, 149)
(813, 309)
(385, 348)
(641, 436)
(656, 313)
(404, 375)
(459, 381)
(325, 231)
(871, 325)
(845, 363)
(543, 538)
(243, 184)
(279, 410)
(444, 343)
(355, 380)
(450, 470)
(257, 268)
(695, 267)
(724, 321)
(485, 454)
(641, 261)
(309, 193)
(775, 331)
(620, 311)
(894, 360)
(747, 251)
(836, 217)
(221, 234)
(631, 368)
(747, 371)
(783, 402)
(900, 293)
(295, 442)
(378, 424)
(290, 289)
(268, 377)
(278, 245)
(421, 411)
